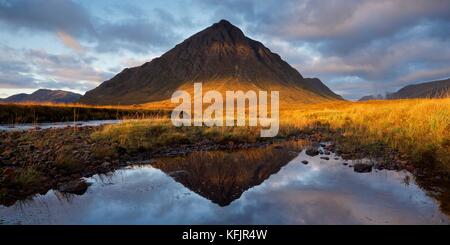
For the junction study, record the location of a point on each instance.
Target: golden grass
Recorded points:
(418, 128)
(16, 113)
(149, 106)
(158, 132)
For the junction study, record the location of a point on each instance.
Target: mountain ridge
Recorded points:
(218, 56)
(430, 89)
(44, 95)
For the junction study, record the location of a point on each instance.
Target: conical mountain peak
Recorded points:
(225, 26)
(218, 56)
(222, 31)
(224, 22)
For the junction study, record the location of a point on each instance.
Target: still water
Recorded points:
(258, 186)
(28, 126)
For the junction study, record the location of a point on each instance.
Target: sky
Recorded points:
(356, 47)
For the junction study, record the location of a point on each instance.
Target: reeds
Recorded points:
(418, 128)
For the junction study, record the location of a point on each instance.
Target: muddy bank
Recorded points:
(35, 161)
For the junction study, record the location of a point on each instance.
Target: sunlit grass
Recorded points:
(16, 113)
(418, 128)
(152, 133)
(153, 105)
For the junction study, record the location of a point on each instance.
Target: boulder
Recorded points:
(312, 152)
(362, 168)
(77, 187)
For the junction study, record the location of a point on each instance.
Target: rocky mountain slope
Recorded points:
(222, 58)
(45, 95)
(434, 89)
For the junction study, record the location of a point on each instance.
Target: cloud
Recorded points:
(71, 22)
(71, 42)
(421, 75)
(47, 15)
(356, 46)
(134, 34)
(339, 26)
(39, 69)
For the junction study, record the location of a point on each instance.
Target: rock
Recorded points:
(410, 168)
(325, 158)
(77, 187)
(106, 164)
(330, 147)
(345, 163)
(402, 163)
(312, 152)
(278, 147)
(327, 152)
(362, 168)
(305, 162)
(178, 173)
(292, 153)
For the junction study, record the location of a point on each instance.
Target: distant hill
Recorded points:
(222, 58)
(45, 95)
(434, 89)
(372, 97)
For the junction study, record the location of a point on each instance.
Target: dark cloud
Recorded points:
(340, 25)
(136, 32)
(39, 69)
(353, 45)
(47, 15)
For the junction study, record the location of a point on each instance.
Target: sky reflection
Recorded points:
(322, 192)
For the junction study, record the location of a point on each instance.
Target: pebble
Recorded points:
(312, 152)
(362, 168)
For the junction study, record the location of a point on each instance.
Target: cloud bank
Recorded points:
(356, 47)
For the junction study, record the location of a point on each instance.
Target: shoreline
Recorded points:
(35, 161)
(16, 113)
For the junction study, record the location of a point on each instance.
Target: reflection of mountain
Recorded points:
(222, 177)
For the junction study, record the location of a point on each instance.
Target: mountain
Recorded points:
(15, 98)
(371, 97)
(222, 58)
(434, 89)
(45, 95)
